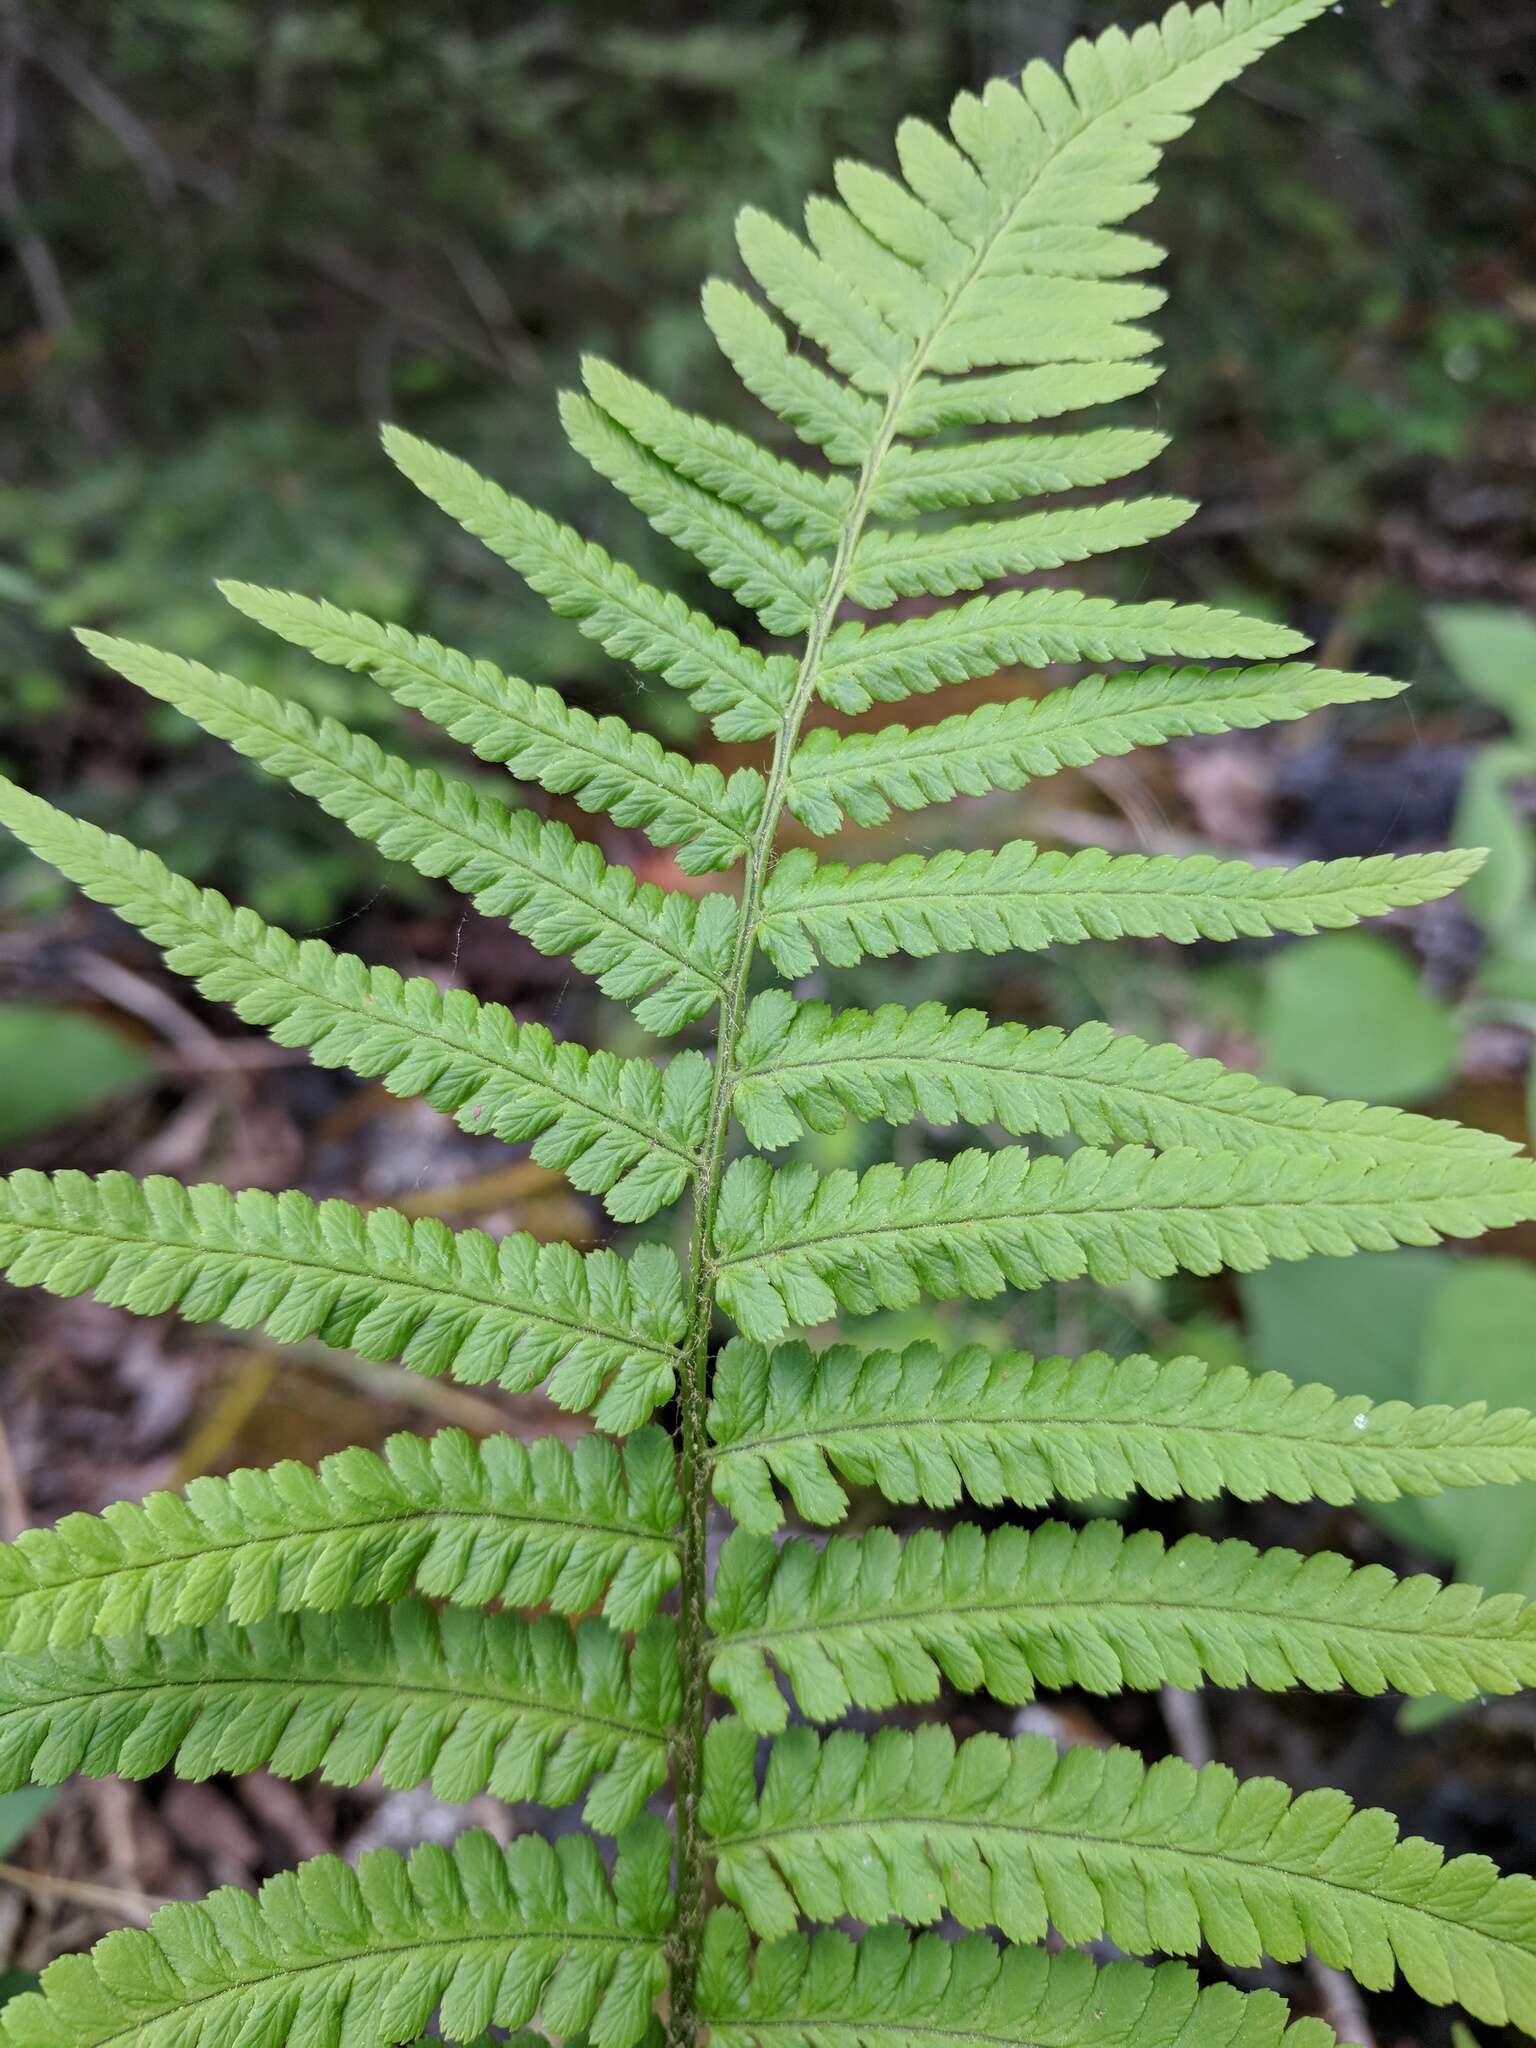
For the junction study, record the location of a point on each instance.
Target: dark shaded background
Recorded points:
(242, 234)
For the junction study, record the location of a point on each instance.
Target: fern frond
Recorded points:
(810, 508)
(604, 763)
(632, 620)
(546, 1523)
(794, 1245)
(937, 563)
(326, 1956)
(622, 1128)
(821, 409)
(772, 579)
(1014, 1835)
(1009, 466)
(806, 1065)
(1004, 746)
(862, 665)
(1020, 898)
(602, 1329)
(920, 1427)
(829, 1991)
(660, 951)
(872, 1620)
(472, 1702)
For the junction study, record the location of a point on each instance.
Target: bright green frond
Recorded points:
(807, 1065)
(794, 1246)
(1020, 898)
(604, 763)
(1014, 1835)
(862, 665)
(1004, 746)
(1008, 1427)
(626, 1129)
(939, 562)
(472, 1702)
(787, 498)
(632, 620)
(659, 950)
(828, 1991)
(327, 1956)
(773, 580)
(993, 472)
(601, 1329)
(821, 409)
(870, 1620)
(546, 1523)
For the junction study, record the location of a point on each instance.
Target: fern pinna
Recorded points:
(364, 1617)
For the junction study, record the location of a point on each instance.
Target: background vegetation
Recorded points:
(242, 233)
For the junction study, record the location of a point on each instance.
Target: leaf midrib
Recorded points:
(1135, 1599)
(389, 1683)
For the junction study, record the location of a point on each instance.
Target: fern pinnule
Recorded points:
(871, 1621)
(1019, 898)
(467, 1702)
(867, 775)
(600, 1329)
(917, 1426)
(804, 1065)
(542, 1523)
(793, 1247)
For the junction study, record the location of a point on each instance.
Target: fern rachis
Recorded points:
(329, 1620)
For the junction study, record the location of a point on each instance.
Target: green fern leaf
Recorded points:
(810, 508)
(604, 763)
(569, 1526)
(1014, 1428)
(993, 472)
(828, 1991)
(1004, 746)
(821, 409)
(470, 1702)
(870, 1621)
(862, 665)
(630, 619)
(1015, 1835)
(660, 951)
(773, 580)
(326, 1956)
(603, 1329)
(625, 1129)
(889, 565)
(1020, 898)
(1016, 397)
(805, 1065)
(793, 1246)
